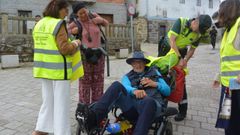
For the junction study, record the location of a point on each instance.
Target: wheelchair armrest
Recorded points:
(170, 111)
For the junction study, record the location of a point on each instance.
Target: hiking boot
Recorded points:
(180, 117)
(85, 117)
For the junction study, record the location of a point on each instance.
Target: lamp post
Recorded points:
(131, 12)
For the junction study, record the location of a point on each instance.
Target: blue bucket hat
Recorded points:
(137, 56)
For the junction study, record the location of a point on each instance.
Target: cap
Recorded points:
(205, 22)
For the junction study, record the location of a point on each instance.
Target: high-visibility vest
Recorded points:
(230, 57)
(186, 36)
(77, 67)
(49, 63)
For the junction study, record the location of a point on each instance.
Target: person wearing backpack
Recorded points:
(184, 32)
(86, 26)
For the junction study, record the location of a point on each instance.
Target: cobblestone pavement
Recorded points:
(20, 95)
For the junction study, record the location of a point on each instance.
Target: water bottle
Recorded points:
(113, 128)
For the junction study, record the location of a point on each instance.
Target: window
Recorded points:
(182, 1)
(24, 13)
(210, 3)
(164, 13)
(198, 2)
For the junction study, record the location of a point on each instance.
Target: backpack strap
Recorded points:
(79, 35)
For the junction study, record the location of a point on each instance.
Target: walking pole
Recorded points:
(105, 48)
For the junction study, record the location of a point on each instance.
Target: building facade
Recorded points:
(176, 8)
(113, 10)
(161, 14)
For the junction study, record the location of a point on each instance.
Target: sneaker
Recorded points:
(180, 117)
(39, 133)
(85, 117)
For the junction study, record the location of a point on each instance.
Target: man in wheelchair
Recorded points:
(140, 95)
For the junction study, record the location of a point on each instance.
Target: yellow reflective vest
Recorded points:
(49, 63)
(186, 36)
(230, 57)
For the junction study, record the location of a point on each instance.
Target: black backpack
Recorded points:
(163, 47)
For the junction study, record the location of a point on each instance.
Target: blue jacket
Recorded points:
(131, 82)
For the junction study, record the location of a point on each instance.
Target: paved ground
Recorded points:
(20, 95)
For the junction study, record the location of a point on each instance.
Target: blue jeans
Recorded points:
(116, 95)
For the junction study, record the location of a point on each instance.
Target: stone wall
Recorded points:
(23, 46)
(141, 29)
(116, 44)
(154, 32)
(16, 44)
(116, 8)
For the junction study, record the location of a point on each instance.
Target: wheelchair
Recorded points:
(160, 126)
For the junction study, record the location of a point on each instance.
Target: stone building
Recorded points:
(17, 21)
(113, 10)
(161, 14)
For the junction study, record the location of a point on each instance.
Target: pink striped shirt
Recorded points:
(92, 28)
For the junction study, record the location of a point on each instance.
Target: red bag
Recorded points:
(177, 93)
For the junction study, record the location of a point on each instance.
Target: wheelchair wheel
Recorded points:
(164, 129)
(168, 129)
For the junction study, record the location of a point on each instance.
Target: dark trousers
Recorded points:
(183, 105)
(234, 123)
(116, 96)
(213, 42)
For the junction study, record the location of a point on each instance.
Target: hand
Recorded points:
(182, 63)
(74, 30)
(139, 93)
(98, 20)
(146, 82)
(215, 84)
(76, 42)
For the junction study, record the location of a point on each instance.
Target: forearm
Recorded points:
(163, 87)
(65, 47)
(101, 21)
(97, 19)
(189, 54)
(127, 85)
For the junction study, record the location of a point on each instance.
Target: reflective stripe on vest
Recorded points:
(48, 62)
(74, 68)
(50, 65)
(77, 67)
(53, 52)
(230, 57)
